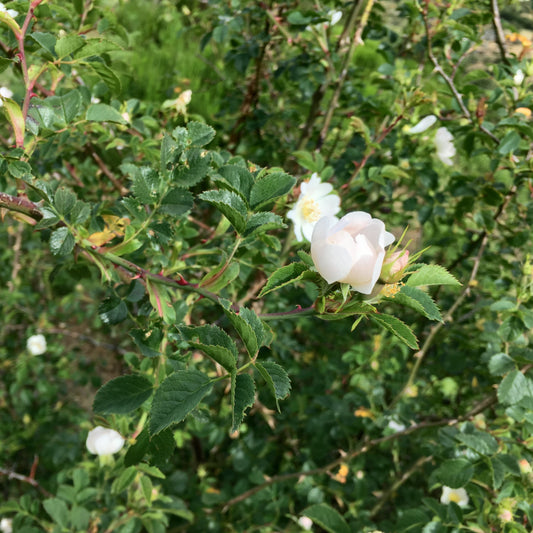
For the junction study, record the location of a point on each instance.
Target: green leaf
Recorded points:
(230, 205)
(122, 395)
(194, 171)
(419, 301)
(512, 388)
(500, 364)
(237, 178)
(106, 75)
(482, 443)
(176, 202)
(276, 379)
(45, 40)
(396, 327)
(283, 276)
(262, 332)
(149, 342)
(455, 473)
(269, 187)
(138, 450)
(104, 113)
(327, 518)
(112, 310)
(245, 331)
(68, 106)
(220, 276)
(200, 134)
(509, 143)
(145, 185)
(214, 342)
(262, 222)
(243, 396)
(176, 397)
(58, 511)
(431, 275)
(64, 200)
(61, 241)
(68, 45)
(96, 47)
(124, 480)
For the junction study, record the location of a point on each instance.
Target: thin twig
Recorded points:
(103, 167)
(500, 37)
(26, 479)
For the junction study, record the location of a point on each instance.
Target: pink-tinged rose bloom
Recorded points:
(104, 441)
(316, 200)
(350, 250)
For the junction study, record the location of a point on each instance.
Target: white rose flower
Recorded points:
(6, 525)
(444, 145)
(334, 16)
(423, 125)
(36, 344)
(519, 77)
(316, 200)
(305, 523)
(395, 426)
(5, 93)
(104, 441)
(350, 250)
(10, 12)
(458, 496)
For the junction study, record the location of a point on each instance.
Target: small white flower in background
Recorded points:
(334, 16)
(458, 496)
(444, 145)
(395, 426)
(305, 523)
(350, 250)
(36, 344)
(185, 97)
(126, 116)
(10, 12)
(519, 76)
(104, 441)
(5, 93)
(423, 125)
(316, 200)
(95, 100)
(6, 525)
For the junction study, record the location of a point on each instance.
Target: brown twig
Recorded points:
(20, 205)
(498, 30)
(26, 479)
(104, 168)
(366, 446)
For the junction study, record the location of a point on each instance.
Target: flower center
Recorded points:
(454, 497)
(310, 210)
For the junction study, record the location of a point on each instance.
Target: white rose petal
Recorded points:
(334, 16)
(6, 525)
(103, 441)
(10, 12)
(423, 125)
(395, 426)
(444, 145)
(5, 93)
(519, 77)
(36, 344)
(350, 250)
(458, 496)
(316, 200)
(305, 523)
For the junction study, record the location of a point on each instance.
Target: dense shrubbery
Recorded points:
(175, 355)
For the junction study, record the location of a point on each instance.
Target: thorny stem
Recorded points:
(449, 81)
(363, 448)
(355, 42)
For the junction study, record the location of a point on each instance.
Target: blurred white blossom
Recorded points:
(10, 12)
(6, 525)
(519, 76)
(334, 16)
(316, 201)
(395, 426)
(5, 93)
(104, 441)
(36, 344)
(423, 125)
(458, 496)
(305, 523)
(444, 145)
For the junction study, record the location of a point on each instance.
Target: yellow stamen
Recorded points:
(310, 210)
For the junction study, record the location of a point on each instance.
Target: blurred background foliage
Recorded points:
(283, 86)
